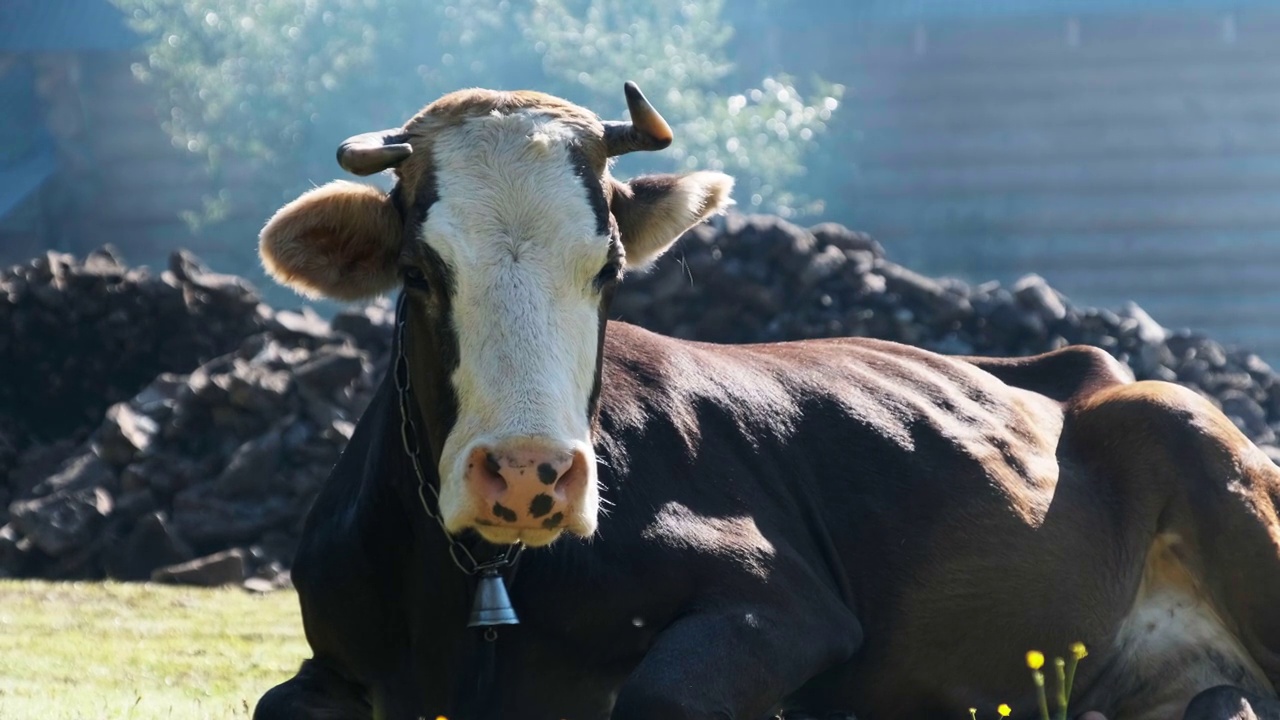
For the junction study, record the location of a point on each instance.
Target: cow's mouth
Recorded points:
(506, 535)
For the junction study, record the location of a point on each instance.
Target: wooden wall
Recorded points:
(121, 181)
(146, 182)
(1123, 157)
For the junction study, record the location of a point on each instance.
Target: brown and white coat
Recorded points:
(815, 528)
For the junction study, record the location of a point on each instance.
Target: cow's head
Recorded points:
(508, 235)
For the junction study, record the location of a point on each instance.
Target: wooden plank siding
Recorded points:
(1123, 157)
(140, 183)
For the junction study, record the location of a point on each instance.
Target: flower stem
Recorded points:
(1059, 667)
(1071, 675)
(1038, 678)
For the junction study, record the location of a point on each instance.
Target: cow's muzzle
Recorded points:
(530, 485)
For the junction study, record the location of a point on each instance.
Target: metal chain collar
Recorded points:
(461, 555)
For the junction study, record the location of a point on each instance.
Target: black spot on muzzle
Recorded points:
(504, 513)
(547, 474)
(541, 505)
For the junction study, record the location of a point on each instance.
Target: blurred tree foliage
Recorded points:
(279, 84)
(676, 48)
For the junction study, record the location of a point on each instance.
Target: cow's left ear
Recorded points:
(653, 210)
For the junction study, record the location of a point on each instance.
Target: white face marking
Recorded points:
(514, 225)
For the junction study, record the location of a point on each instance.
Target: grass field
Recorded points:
(100, 651)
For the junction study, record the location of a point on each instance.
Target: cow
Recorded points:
(685, 530)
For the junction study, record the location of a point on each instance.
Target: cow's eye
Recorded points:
(414, 278)
(610, 273)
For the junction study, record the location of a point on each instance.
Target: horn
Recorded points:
(374, 152)
(646, 131)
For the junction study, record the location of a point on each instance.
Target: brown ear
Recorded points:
(339, 241)
(653, 210)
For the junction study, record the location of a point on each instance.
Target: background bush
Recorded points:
(278, 85)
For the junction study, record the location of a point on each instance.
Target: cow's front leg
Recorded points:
(317, 692)
(735, 663)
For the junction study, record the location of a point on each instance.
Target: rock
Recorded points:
(1148, 330)
(79, 337)
(207, 520)
(330, 370)
(369, 327)
(81, 471)
(252, 467)
(1034, 294)
(14, 553)
(1247, 414)
(62, 522)
(256, 388)
(126, 434)
(824, 264)
(842, 237)
(915, 288)
(221, 568)
(1212, 353)
(259, 585)
(160, 397)
(1260, 370)
(151, 544)
(131, 505)
(305, 324)
(163, 475)
(104, 262)
(37, 463)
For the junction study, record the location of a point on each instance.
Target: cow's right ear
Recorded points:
(339, 241)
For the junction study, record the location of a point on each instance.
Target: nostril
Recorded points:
(486, 473)
(573, 477)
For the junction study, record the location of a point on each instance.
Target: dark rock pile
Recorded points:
(227, 457)
(76, 337)
(203, 475)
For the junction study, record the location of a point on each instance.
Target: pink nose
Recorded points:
(525, 483)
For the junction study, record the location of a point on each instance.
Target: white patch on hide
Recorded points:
(1174, 644)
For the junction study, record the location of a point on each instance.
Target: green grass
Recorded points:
(100, 651)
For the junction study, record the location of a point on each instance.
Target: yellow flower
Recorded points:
(1035, 659)
(973, 713)
(1004, 710)
(1079, 651)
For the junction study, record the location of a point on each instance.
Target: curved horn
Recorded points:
(646, 130)
(374, 152)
